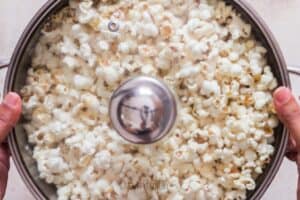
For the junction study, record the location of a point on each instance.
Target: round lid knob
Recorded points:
(143, 110)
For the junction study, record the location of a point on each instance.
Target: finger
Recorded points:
(292, 155)
(288, 111)
(292, 146)
(10, 111)
(4, 167)
(291, 152)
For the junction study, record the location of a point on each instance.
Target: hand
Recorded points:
(289, 113)
(10, 111)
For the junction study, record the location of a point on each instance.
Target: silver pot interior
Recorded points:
(22, 152)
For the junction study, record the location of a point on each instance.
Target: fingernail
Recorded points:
(11, 99)
(282, 95)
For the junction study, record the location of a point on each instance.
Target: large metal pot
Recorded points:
(20, 61)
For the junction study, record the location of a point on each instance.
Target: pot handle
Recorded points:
(294, 72)
(4, 64)
(293, 69)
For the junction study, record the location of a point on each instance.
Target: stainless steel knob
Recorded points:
(143, 110)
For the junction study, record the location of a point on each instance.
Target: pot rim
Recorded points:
(31, 28)
(281, 149)
(44, 12)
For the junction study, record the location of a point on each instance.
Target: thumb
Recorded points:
(288, 111)
(10, 111)
(4, 167)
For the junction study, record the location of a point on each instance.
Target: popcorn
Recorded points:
(203, 51)
(103, 45)
(148, 69)
(82, 82)
(250, 155)
(91, 101)
(205, 12)
(198, 48)
(146, 51)
(68, 47)
(150, 30)
(111, 75)
(210, 88)
(273, 122)
(103, 159)
(32, 103)
(86, 52)
(207, 158)
(166, 31)
(192, 184)
(86, 15)
(71, 62)
(261, 99)
(56, 165)
(193, 24)
(236, 70)
(64, 192)
(100, 188)
(245, 183)
(188, 71)
(124, 47)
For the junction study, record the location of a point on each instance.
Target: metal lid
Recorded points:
(143, 110)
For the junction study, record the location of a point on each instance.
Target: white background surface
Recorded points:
(282, 16)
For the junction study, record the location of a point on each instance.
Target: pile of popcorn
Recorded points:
(202, 50)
